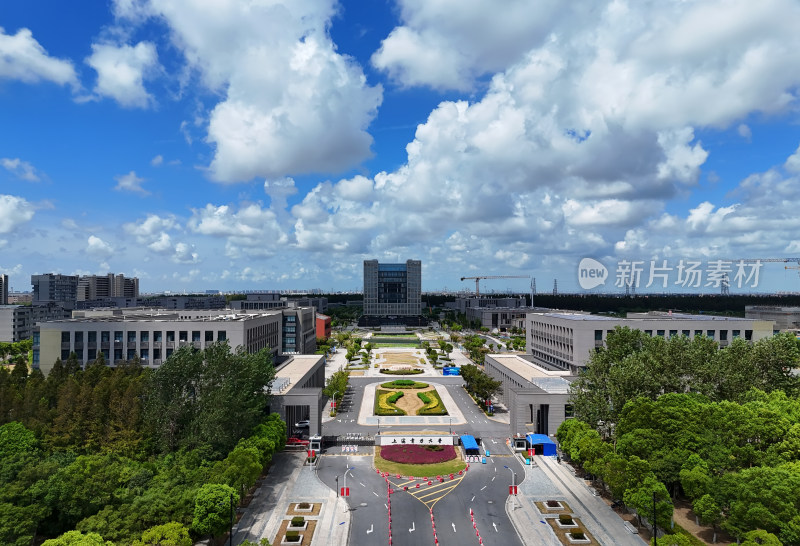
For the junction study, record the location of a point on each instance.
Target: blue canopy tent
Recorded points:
(541, 444)
(470, 445)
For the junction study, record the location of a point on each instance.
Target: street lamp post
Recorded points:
(655, 528)
(451, 426)
(344, 485)
(379, 426)
(513, 480)
(230, 533)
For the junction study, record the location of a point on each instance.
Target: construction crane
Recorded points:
(478, 279)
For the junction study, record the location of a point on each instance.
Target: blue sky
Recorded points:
(277, 144)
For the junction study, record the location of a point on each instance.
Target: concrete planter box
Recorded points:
(585, 540)
(284, 542)
(555, 506)
(573, 525)
(309, 509)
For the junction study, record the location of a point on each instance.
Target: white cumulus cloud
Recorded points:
(21, 169)
(23, 58)
(14, 211)
(121, 71)
(130, 182)
(98, 247)
(292, 104)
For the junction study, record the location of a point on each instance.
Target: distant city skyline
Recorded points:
(279, 145)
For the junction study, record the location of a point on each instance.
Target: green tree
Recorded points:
(708, 513)
(759, 536)
(213, 509)
(168, 534)
(76, 538)
(641, 499)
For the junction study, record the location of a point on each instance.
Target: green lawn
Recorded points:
(395, 345)
(418, 470)
(404, 384)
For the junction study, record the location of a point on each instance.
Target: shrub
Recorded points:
(298, 521)
(293, 536)
(578, 536)
(404, 371)
(383, 406)
(394, 397)
(553, 504)
(433, 404)
(417, 454)
(304, 506)
(565, 519)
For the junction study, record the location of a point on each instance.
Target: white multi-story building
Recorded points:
(152, 336)
(566, 340)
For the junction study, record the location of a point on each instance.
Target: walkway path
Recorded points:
(288, 482)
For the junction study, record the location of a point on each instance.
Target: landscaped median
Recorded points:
(415, 460)
(390, 399)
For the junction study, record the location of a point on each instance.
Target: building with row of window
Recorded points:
(392, 293)
(786, 319)
(3, 289)
(16, 323)
(153, 335)
(566, 339)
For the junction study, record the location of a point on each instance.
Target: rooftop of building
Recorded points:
(546, 380)
(160, 315)
(291, 372)
(651, 315)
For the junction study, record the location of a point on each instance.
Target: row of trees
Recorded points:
(479, 384)
(681, 417)
(634, 364)
(17, 352)
(119, 451)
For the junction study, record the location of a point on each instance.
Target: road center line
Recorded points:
(374, 493)
(482, 488)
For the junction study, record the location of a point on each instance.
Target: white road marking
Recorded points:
(362, 485)
(370, 528)
(495, 467)
(413, 527)
(493, 477)
(386, 505)
(454, 526)
(472, 499)
(495, 527)
(374, 493)
(482, 488)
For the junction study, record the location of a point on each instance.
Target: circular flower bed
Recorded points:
(417, 454)
(404, 384)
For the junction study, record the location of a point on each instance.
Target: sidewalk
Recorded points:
(289, 482)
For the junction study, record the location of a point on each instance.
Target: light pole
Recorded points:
(451, 426)
(655, 528)
(513, 480)
(344, 485)
(230, 533)
(379, 426)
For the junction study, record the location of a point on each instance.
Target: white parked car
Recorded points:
(302, 424)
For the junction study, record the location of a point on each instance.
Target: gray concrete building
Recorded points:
(16, 323)
(297, 392)
(393, 289)
(3, 289)
(565, 340)
(52, 288)
(99, 287)
(537, 397)
(785, 318)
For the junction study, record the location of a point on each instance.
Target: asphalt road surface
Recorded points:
(483, 488)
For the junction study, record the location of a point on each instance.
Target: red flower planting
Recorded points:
(416, 454)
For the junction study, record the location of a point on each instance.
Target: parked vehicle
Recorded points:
(302, 424)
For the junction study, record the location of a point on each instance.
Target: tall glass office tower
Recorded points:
(393, 289)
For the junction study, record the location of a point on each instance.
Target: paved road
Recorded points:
(483, 489)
